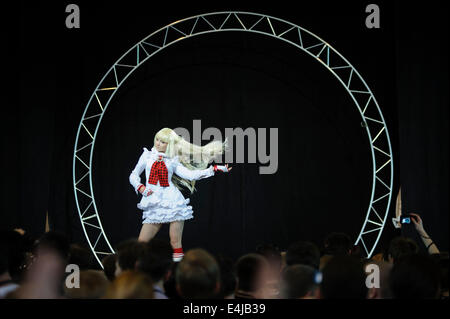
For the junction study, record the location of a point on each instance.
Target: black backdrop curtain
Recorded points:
(57, 70)
(422, 97)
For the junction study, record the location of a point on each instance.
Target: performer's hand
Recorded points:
(145, 192)
(222, 168)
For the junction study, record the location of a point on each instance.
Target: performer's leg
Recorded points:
(148, 231)
(176, 233)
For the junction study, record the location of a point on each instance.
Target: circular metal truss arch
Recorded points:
(321, 51)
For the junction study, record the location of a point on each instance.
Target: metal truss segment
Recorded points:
(202, 26)
(87, 131)
(257, 22)
(380, 198)
(367, 104)
(364, 245)
(193, 27)
(288, 30)
(125, 70)
(384, 184)
(96, 242)
(115, 75)
(382, 166)
(125, 65)
(358, 91)
(82, 178)
(324, 46)
(313, 46)
(89, 217)
(181, 32)
(242, 24)
(151, 44)
(371, 231)
(208, 23)
(92, 116)
(350, 79)
(84, 212)
(226, 19)
(82, 162)
(376, 213)
(103, 253)
(165, 36)
(89, 224)
(81, 148)
(341, 67)
(271, 27)
(83, 192)
(381, 151)
(373, 120)
(142, 47)
(99, 103)
(376, 137)
(375, 223)
(328, 56)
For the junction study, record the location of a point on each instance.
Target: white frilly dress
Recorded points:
(165, 204)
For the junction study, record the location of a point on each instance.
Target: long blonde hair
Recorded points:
(191, 156)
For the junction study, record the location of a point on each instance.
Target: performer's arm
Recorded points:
(194, 175)
(135, 179)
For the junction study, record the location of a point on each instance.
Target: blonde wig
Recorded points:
(191, 156)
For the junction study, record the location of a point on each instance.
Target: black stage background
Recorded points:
(227, 80)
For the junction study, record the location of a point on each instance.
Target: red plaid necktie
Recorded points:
(159, 173)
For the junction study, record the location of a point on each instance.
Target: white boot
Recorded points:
(177, 257)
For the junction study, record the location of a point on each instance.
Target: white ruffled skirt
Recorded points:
(164, 205)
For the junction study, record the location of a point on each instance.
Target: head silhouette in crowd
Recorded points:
(442, 259)
(157, 262)
(53, 241)
(415, 276)
(17, 250)
(343, 278)
(81, 256)
(45, 275)
(303, 253)
(128, 252)
(300, 282)
(198, 275)
(401, 247)
(109, 266)
(93, 285)
(337, 244)
(253, 272)
(227, 277)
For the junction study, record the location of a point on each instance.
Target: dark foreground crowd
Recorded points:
(51, 267)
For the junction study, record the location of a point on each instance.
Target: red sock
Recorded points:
(178, 250)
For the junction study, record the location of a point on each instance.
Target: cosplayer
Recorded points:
(172, 163)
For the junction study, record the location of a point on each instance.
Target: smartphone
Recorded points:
(405, 219)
